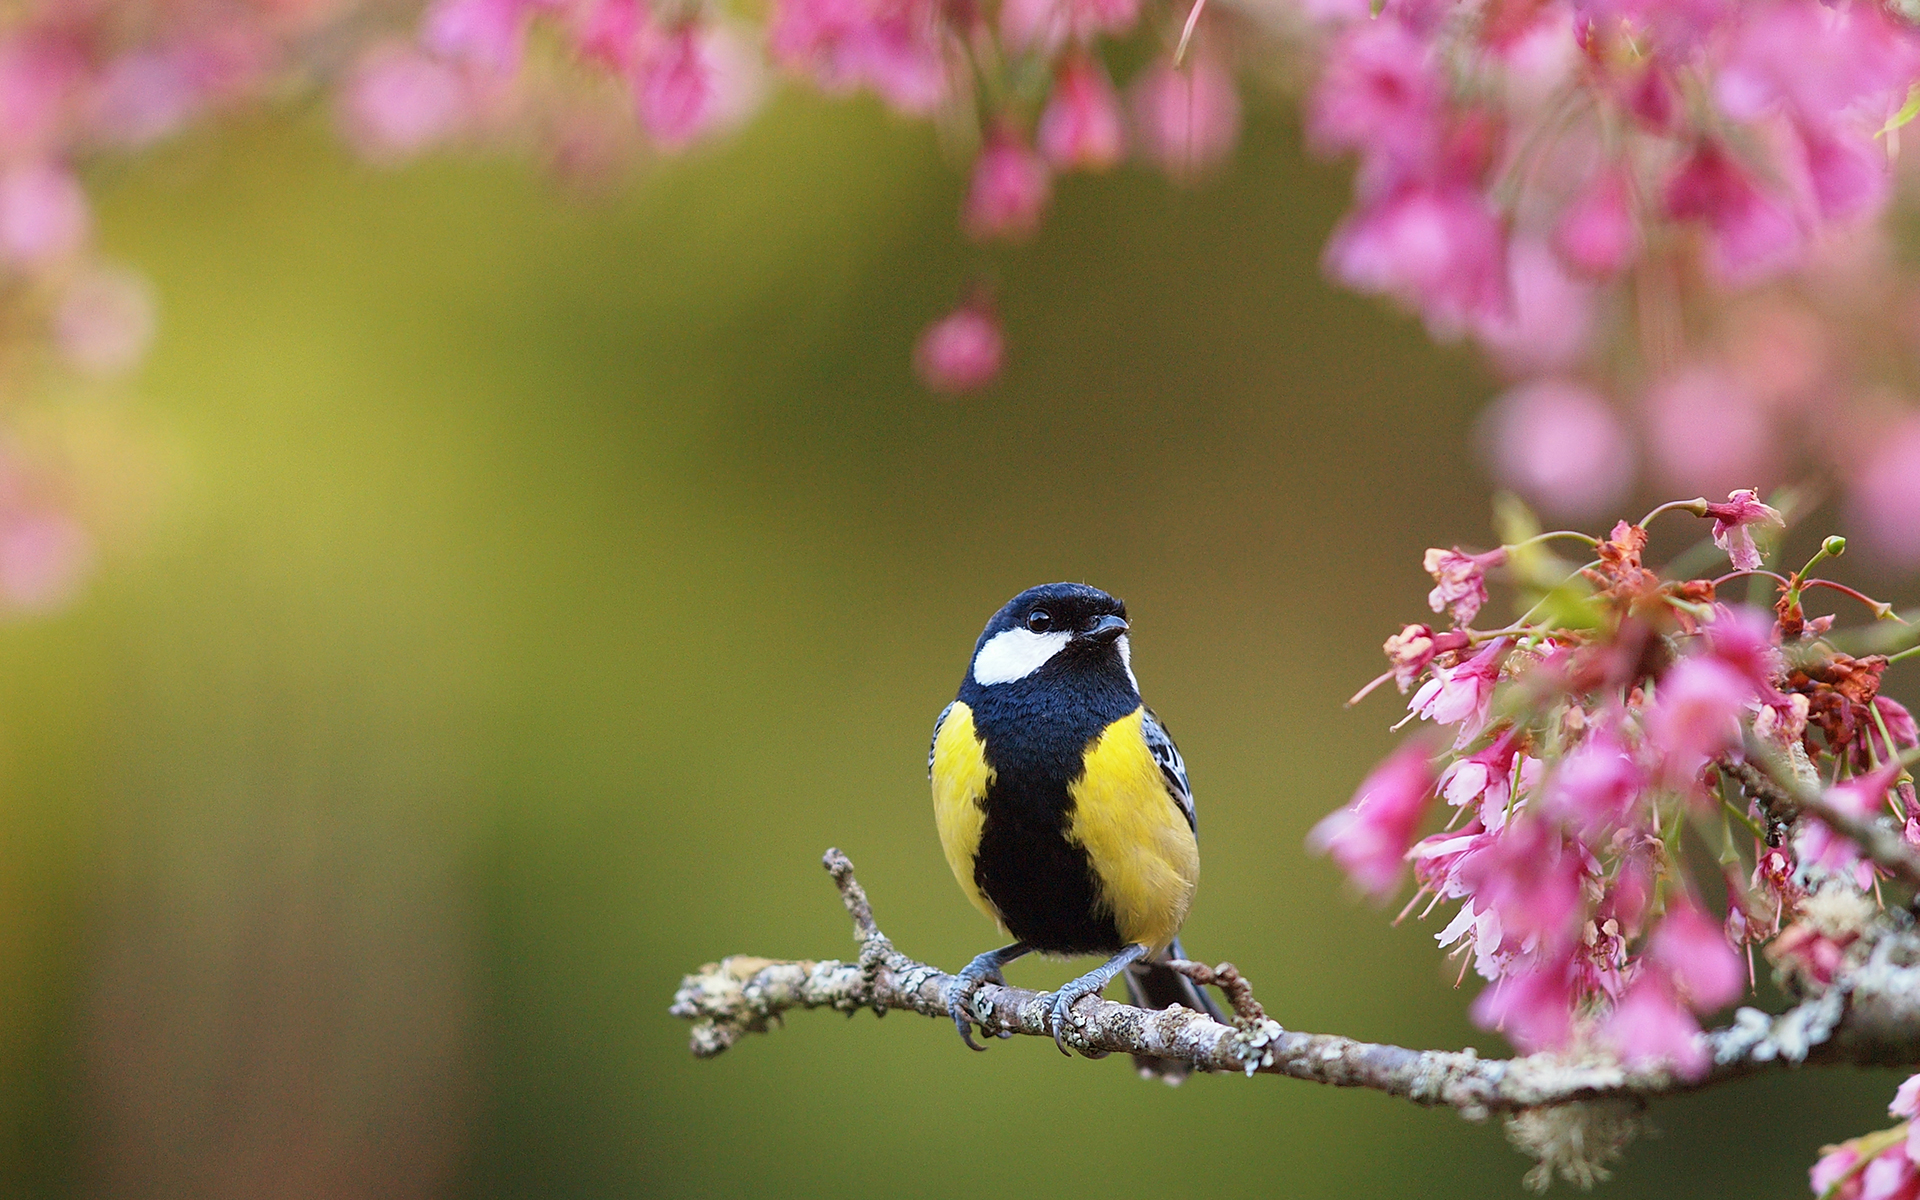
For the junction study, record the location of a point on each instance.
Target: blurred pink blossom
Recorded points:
(1370, 837)
(1533, 1008)
(1749, 233)
(400, 102)
(1650, 1027)
(962, 351)
(43, 214)
(1186, 120)
(1548, 322)
(1044, 26)
(105, 321)
(676, 87)
(1379, 94)
(1884, 500)
(1707, 434)
(891, 46)
(1598, 234)
(488, 34)
(1595, 788)
(1692, 949)
(1695, 714)
(1081, 126)
(44, 557)
(1834, 1175)
(1010, 189)
(145, 96)
(1559, 445)
(40, 77)
(1438, 249)
(1531, 879)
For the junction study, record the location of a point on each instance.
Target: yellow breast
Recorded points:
(960, 780)
(1143, 851)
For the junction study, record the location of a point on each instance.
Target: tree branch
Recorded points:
(1870, 1015)
(1782, 796)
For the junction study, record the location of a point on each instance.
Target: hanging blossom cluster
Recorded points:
(1663, 222)
(1608, 869)
(589, 85)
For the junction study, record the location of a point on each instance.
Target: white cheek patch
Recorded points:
(1015, 654)
(1126, 662)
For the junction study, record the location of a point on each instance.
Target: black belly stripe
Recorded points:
(1041, 883)
(1034, 733)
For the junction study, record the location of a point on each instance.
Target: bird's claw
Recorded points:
(1061, 1015)
(960, 1000)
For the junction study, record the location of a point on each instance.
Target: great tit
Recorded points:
(1063, 807)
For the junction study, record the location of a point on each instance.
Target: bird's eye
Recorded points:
(1039, 620)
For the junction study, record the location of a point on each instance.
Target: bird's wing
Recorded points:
(942, 720)
(1172, 767)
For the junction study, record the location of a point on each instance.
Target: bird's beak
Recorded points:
(1105, 630)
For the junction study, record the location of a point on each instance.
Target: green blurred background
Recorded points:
(539, 583)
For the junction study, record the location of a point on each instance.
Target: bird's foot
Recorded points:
(1060, 1016)
(985, 968)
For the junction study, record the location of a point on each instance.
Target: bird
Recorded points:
(1064, 810)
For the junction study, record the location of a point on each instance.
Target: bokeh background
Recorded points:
(534, 584)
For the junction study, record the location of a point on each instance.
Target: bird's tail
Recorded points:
(1153, 984)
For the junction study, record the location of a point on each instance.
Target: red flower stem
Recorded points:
(1697, 506)
(1882, 611)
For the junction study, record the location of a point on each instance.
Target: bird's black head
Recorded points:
(1056, 630)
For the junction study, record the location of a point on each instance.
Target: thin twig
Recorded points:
(1781, 796)
(1869, 1015)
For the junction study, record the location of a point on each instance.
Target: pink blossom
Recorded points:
(1460, 580)
(678, 86)
(104, 322)
(1692, 949)
(610, 32)
(1890, 1176)
(1862, 797)
(1486, 776)
(1439, 249)
(43, 214)
(1742, 637)
(489, 34)
(1750, 234)
(1410, 650)
(1461, 695)
(1559, 445)
(1816, 62)
(1379, 94)
(1707, 433)
(1595, 787)
(1733, 524)
(1549, 320)
(1846, 171)
(401, 102)
(1832, 1169)
(1906, 1100)
(962, 351)
(891, 46)
(144, 96)
(1081, 125)
(1370, 837)
(1010, 189)
(1186, 120)
(1885, 499)
(1696, 714)
(1531, 879)
(1533, 1008)
(39, 79)
(1650, 1027)
(1900, 727)
(1043, 26)
(44, 558)
(1597, 234)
